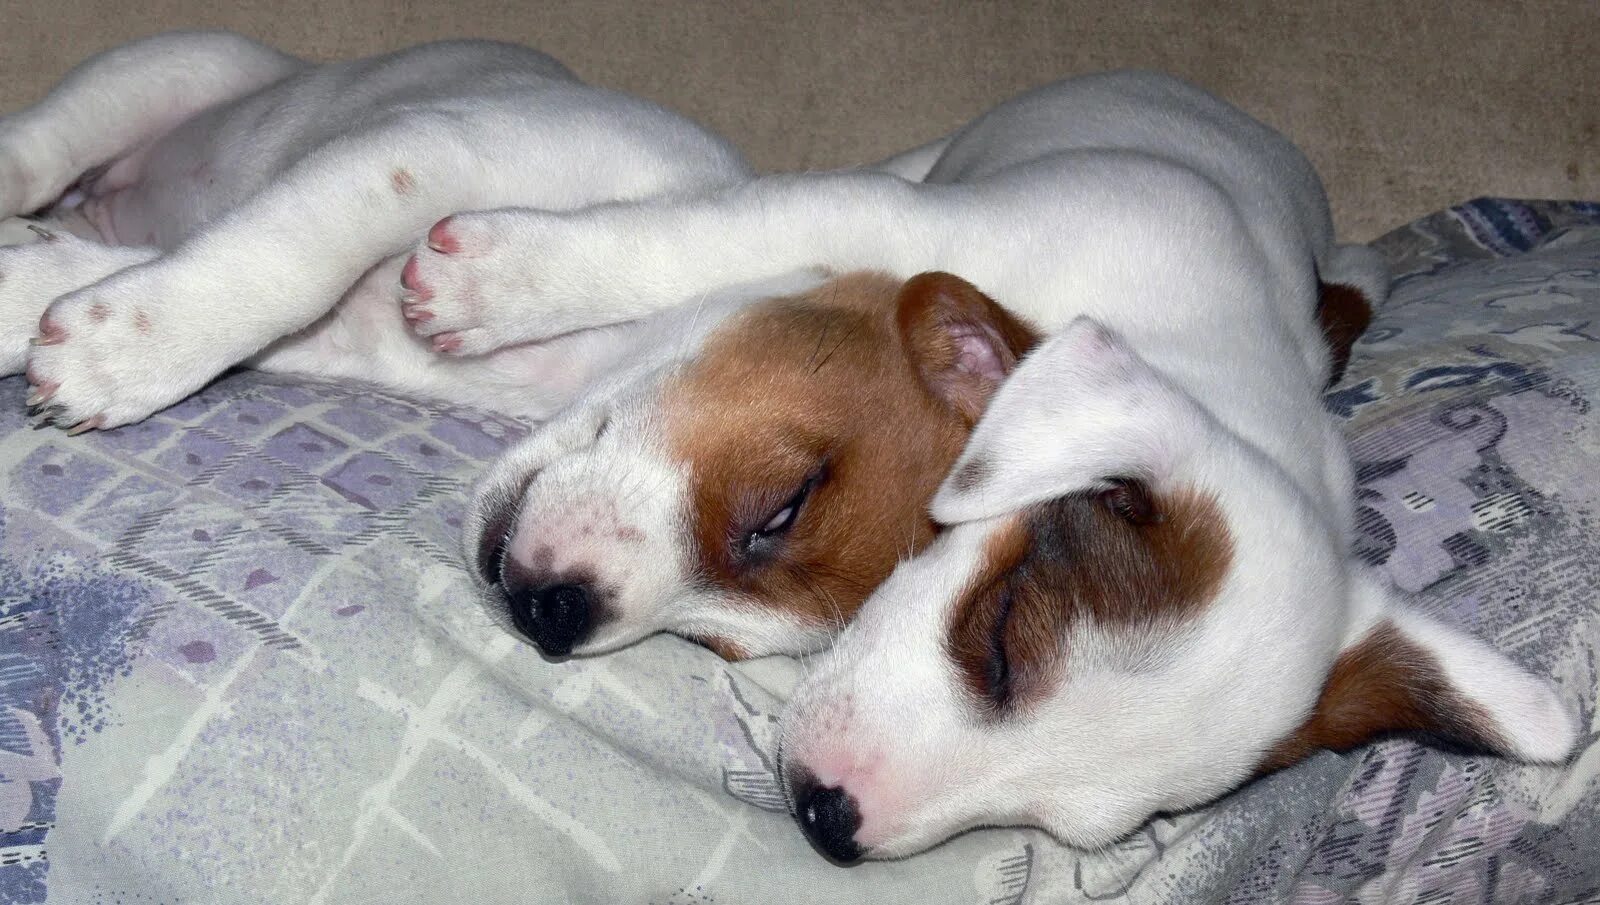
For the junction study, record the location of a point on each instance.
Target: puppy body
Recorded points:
(1131, 198)
(213, 200)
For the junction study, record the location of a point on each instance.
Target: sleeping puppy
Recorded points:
(750, 483)
(210, 201)
(1136, 608)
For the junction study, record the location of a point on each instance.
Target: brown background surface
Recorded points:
(1404, 107)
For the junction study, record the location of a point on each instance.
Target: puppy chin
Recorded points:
(1102, 831)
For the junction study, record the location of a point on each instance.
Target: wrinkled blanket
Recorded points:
(239, 659)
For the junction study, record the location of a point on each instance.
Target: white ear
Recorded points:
(1080, 409)
(1407, 672)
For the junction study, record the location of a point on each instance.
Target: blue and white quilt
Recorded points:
(240, 662)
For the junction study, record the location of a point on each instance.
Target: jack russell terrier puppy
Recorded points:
(1143, 599)
(210, 201)
(750, 483)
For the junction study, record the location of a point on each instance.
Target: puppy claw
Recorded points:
(88, 425)
(41, 394)
(447, 342)
(55, 339)
(43, 233)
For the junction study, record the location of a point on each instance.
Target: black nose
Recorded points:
(555, 617)
(830, 820)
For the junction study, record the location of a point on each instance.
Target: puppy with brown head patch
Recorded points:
(752, 495)
(750, 481)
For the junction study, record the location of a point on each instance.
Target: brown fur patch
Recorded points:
(1135, 566)
(1344, 314)
(99, 311)
(819, 387)
(402, 180)
(141, 321)
(1385, 683)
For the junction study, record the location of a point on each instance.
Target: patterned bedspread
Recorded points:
(239, 661)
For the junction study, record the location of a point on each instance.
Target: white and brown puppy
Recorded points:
(212, 201)
(1137, 607)
(752, 483)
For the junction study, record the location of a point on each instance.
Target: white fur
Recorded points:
(273, 195)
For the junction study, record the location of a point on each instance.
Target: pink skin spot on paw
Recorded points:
(410, 280)
(446, 342)
(141, 322)
(402, 180)
(99, 311)
(441, 240)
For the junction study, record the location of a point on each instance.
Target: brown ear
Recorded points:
(1390, 681)
(959, 341)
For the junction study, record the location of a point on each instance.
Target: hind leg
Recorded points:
(33, 275)
(146, 337)
(114, 104)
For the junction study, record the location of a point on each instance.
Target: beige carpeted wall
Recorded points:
(1404, 107)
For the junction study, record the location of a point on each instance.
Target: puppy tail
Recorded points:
(1361, 268)
(1354, 282)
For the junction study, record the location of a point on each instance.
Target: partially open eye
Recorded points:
(782, 520)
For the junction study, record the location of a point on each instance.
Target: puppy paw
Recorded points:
(114, 353)
(483, 281)
(33, 275)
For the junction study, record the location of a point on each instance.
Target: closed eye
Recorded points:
(997, 672)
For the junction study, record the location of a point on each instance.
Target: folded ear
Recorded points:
(1081, 410)
(959, 341)
(1409, 673)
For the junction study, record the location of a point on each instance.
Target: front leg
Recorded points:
(483, 281)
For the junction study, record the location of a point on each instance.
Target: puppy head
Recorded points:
(1132, 612)
(752, 492)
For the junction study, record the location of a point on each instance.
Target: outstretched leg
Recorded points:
(114, 104)
(486, 280)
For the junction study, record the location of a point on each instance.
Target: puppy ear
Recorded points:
(1409, 673)
(961, 343)
(1081, 410)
